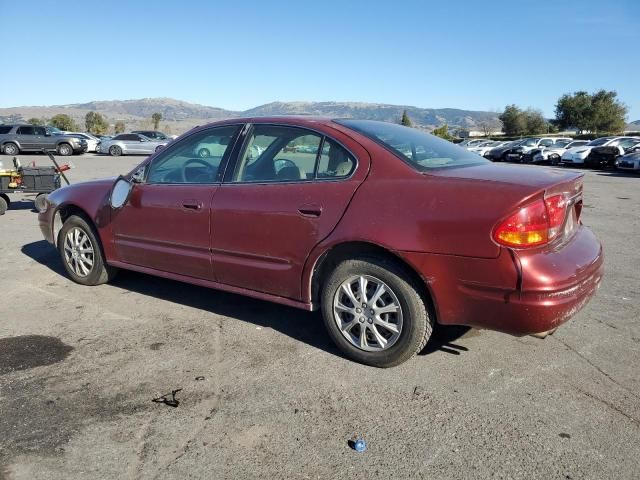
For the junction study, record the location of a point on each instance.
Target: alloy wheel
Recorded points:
(368, 313)
(79, 252)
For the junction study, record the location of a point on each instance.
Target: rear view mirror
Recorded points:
(120, 193)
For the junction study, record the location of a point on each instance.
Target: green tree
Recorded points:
(37, 121)
(600, 111)
(155, 118)
(64, 122)
(608, 114)
(406, 121)
(119, 127)
(535, 121)
(442, 132)
(95, 123)
(514, 121)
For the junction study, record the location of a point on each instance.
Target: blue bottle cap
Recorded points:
(360, 445)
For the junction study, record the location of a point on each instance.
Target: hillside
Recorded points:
(179, 116)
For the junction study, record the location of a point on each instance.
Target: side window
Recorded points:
(195, 159)
(547, 142)
(119, 137)
(278, 154)
(335, 161)
(40, 131)
(25, 131)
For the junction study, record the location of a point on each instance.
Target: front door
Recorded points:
(166, 225)
(286, 193)
(26, 136)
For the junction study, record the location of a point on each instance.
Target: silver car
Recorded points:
(131, 144)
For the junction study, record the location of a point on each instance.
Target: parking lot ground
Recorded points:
(266, 395)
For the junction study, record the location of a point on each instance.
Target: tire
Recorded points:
(204, 153)
(4, 205)
(115, 151)
(65, 149)
(75, 232)
(11, 149)
(40, 202)
(413, 319)
(554, 160)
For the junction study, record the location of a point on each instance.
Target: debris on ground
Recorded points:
(168, 398)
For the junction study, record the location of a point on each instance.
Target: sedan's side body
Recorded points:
(216, 222)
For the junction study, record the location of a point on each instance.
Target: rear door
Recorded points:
(26, 136)
(286, 193)
(166, 225)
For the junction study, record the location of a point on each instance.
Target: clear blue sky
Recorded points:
(239, 54)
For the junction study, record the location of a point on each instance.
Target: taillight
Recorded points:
(534, 224)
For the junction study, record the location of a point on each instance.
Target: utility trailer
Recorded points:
(38, 180)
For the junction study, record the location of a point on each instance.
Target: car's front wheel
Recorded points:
(65, 149)
(81, 253)
(374, 313)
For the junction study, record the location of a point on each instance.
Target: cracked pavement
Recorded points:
(265, 394)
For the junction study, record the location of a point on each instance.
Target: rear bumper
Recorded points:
(517, 293)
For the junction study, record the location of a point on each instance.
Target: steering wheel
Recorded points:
(192, 161)
(281, 163)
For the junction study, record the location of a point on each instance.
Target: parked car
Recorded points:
(33, 138)
(522, 152)
(471, 142)
(577, 155)
(499, 153)
(485, 147)
(131, 144)
(630, 161)
(154, 135)
(553, 153)
(606, 156)
(464, 241)
(92, 142)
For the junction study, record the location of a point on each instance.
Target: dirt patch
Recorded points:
(30, 351)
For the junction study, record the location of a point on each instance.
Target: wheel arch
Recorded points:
(6, 199)
(69, 209)
(327, 261)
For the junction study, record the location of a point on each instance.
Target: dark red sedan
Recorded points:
(386, 229)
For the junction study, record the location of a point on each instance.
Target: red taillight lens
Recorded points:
(534, 224)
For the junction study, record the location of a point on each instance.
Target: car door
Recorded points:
(40, 138)
(26, 136)
(286, 193)
(166, 225)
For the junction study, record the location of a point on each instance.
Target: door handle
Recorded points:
(192, 206)
(310, 210)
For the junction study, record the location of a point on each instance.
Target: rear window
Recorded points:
(5, 129)
(421, 150)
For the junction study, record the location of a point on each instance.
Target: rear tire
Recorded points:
(4, 205)
(40, 202)
(115, 151)
(410, 319)
(81, 253)
(11, 149)
(204, 153)
(65, 149)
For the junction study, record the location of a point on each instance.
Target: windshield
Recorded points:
(421, 150)
(530, 142)
(598, 141)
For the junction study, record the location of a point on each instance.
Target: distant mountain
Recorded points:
(633, 126)
(178, 116)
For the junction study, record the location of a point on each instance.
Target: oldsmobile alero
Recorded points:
(386, 229)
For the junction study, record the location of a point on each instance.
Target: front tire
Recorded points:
(11, 149)
(204, 153)
(373, 313)
(65, 150)
(40, 202)
(81, 253)
(115, 151)
(4, 205)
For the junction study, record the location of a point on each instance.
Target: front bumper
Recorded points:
(520, 292)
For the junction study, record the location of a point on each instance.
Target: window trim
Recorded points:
(224, 161)
(230, 169)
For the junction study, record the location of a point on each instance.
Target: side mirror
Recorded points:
(120, 193)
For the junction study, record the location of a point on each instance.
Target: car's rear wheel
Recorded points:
(373, 313)
(82, 254)
(4, 205)
(40, 202)
(65, 149)
(554, 160)
(11, 149)
(115, 151)
(204, 153)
